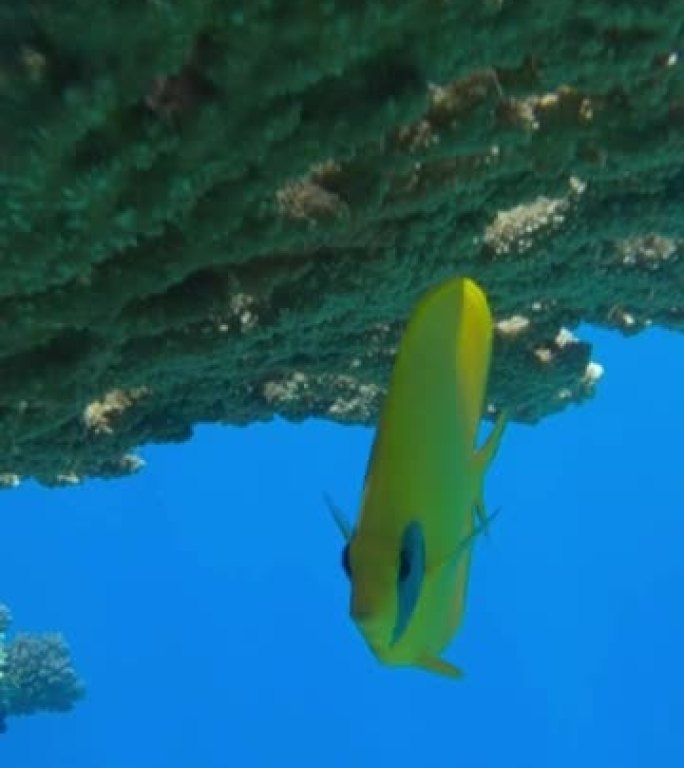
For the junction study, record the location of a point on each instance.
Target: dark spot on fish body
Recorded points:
(404, 564)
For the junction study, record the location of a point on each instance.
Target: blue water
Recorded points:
(206, 610)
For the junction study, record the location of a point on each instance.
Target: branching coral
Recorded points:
(5, 621)
(36, 673)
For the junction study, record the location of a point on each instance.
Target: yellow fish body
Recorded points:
(409, 556)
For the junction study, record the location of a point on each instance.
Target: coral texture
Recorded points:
(35, 673)
(40, 676)
(221, 212)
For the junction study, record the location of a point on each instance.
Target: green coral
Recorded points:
(36, 674)
(206, 204)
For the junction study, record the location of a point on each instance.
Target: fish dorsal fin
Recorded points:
(341, 521)
(440, 667)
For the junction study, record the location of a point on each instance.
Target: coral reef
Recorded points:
(5, 621)
(36, 674)
(40, 675)
(221, 214)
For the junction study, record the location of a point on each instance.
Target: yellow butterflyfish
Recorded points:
(408, 557)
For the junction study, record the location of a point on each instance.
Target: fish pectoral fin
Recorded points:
(467, 542)
(481, 520)
(488, 451)
(440, 667)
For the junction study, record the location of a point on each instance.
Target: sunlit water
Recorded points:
(207, 612)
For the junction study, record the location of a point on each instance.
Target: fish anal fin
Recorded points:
(440, 667)
(483, 458)
(486, 454)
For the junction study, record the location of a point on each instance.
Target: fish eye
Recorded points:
(346, 566)
(404, 564)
